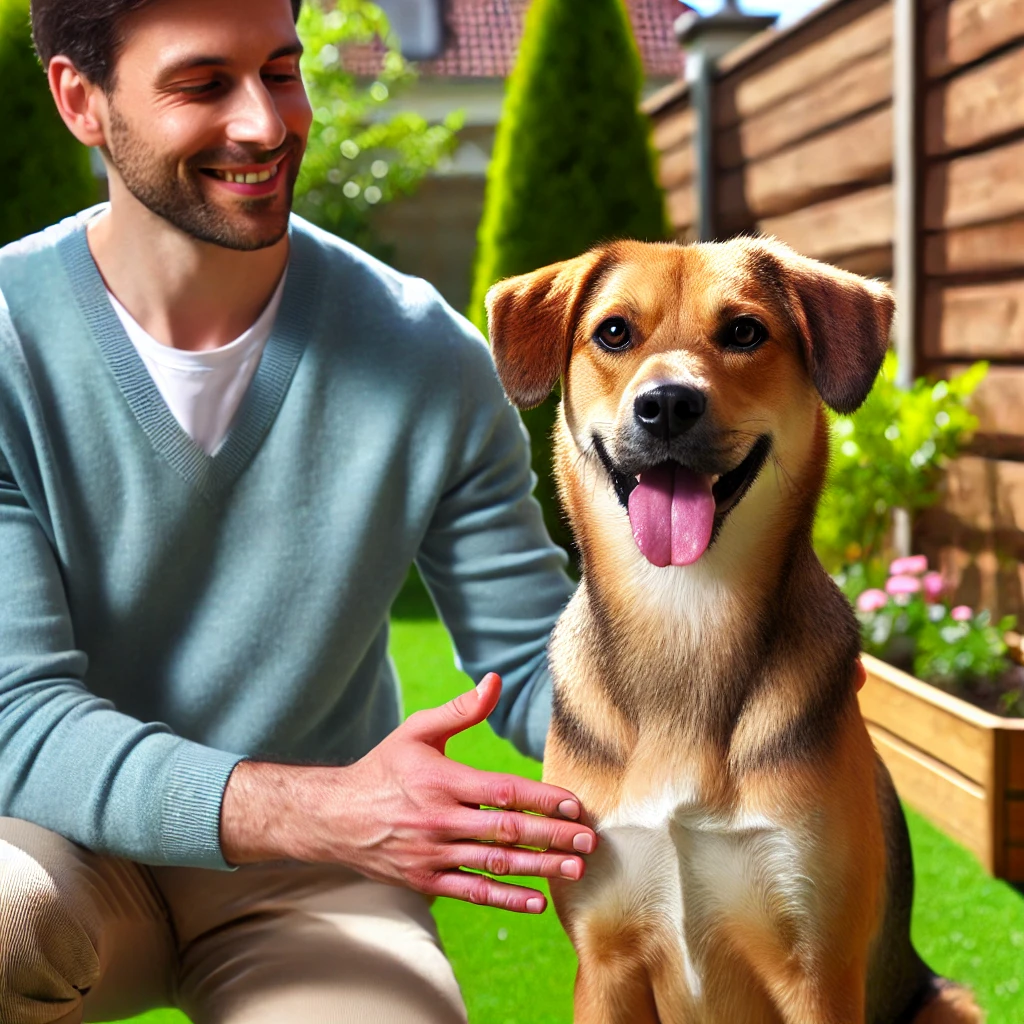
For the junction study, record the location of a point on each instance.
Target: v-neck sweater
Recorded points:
(165, 613)
(205, 388)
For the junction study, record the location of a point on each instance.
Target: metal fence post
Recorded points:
(705, 40)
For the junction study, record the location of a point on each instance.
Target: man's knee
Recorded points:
(47, 960)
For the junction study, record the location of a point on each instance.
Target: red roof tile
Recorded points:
(482, 36)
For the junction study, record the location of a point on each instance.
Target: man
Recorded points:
(224, 438)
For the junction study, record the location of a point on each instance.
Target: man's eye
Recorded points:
(282, 78)
(199, 90)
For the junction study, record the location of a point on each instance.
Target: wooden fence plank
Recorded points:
(1015, 821)
(997, 403)
(1015, 863)
(974, 189)
(857, 153)
(986, 493)
(966, 30)
(954, 803)
(976, 106)
(975, 250)
(861, 220)
(741, 96)
(673, 128)
(731, 212)
(868, 262)
(681, 205)
(976, 321)
(853, 90)
(1015, 769)
(999, 400)
(966, 747)
(677, 167)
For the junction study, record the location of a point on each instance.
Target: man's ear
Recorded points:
(843, 321)
(531, 319)
(79, 102)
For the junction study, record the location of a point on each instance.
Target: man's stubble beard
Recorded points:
(183, 204)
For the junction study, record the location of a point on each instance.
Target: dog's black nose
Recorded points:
(669, 410)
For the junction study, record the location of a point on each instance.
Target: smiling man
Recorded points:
(225, 436)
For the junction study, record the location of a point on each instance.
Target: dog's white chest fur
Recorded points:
(670, 862)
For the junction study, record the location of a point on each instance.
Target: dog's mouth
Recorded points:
(676, 512)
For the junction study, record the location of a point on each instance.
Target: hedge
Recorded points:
(44, 172)
(573, 166)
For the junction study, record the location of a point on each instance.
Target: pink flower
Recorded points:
(911, 565)
(961, 613)
(902, 585)
(933, 584)
(872, 600)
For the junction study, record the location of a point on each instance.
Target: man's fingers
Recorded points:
(510, 828)
(504, 860)
(438, 725)
(463, 885)
(509, 792)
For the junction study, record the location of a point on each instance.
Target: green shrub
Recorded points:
(357, 159)
(572, 166)
(889, 454)
(44, 172)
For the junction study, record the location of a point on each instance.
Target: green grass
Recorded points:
(519, 970)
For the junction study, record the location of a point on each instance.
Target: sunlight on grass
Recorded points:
(515, 969)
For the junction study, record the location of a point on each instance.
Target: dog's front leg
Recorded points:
(827, 993)
(614, 991)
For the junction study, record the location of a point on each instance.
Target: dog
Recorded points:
(754, 864)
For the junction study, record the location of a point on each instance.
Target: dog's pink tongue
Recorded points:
(672, 511)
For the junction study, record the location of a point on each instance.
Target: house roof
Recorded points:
(482, 37)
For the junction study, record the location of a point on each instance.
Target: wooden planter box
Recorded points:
(961, 767)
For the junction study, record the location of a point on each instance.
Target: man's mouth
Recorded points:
(256, 178)
(676, 512)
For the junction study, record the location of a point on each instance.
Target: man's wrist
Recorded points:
(270, 812)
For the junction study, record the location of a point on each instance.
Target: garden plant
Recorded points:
(572, 167)
(360, 155)
(890, 454)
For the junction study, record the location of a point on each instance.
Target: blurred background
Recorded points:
(467, 140)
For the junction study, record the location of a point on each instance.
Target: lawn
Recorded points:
(515, 969)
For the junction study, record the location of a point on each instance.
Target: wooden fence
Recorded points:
(802, 146)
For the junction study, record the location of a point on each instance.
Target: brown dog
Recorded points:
(754, 864)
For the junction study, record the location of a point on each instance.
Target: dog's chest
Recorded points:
(693, 875)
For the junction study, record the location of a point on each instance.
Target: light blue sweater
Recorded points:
(164, 613)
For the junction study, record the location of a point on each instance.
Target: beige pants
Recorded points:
(91, 938)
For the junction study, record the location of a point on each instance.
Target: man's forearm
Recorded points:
(269, 812)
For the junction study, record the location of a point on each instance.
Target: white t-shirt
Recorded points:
(203, 389)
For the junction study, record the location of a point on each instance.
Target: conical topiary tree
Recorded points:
(572, 167)
(44, 172)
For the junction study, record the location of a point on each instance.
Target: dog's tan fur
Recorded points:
(704, 713)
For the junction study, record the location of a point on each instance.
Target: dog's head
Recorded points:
(692, 379)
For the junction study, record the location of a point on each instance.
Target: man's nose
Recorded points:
(669, 410)
(255, 118)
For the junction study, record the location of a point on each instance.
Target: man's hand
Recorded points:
(408, 815)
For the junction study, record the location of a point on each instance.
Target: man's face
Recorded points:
(209, 118)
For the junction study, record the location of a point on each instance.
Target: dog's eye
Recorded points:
(746, 332)
(613, 334)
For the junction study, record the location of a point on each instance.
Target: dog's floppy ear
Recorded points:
(843, 321)
(530, 321)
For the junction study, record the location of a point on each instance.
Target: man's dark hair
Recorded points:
(86, 32)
